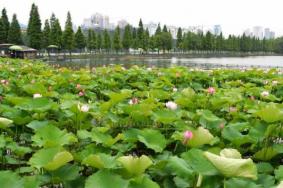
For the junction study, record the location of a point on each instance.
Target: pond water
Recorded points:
(206, 63)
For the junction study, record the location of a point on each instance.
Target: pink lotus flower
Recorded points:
(171, 105)
(81, 93)
(211, 90)
(252, 98)
(134, 101)
(4, 82)
(188, 135)
(78, 86)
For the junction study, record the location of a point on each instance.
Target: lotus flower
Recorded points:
(211, 90)
(33, 81)
(175, 89)
(78, 86)
(171, 105)
(274, 82)
(188, 135)
(83, 108)
(37, 95)
(264, 93)
(4, 82)
(133, 101)
(232, 109)
(81, 93)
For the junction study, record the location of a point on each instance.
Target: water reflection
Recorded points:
(205, 63)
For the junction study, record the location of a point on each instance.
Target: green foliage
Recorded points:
(15, 35)
(46, 35)
(117, 45)
(122, 133)
(34, 32)
(68, 40)
(4, 27)
(80, 39)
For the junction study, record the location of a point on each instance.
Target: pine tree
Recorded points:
(146, 40)
(106, 41)
(99, 41)
(179, 38)
(91, 40)
(80, 39)
(134, 39)
(55, 32)
(34, 28)
(14, 35)
(68, 41)
(140, 35)
(116, 40)
(46, 34)
(127, 38)
(4, 27)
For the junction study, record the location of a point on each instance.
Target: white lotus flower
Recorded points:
(175, 89)
(171, 105)
(83, 108)
(264, 93)
(274, 82)
(37, 95)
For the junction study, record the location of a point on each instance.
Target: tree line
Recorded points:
(40, 36)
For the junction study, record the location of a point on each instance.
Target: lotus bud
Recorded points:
(188, 135)
(211, 90)
(37, 95)
(171, 105)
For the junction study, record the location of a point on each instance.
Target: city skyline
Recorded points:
(183, 18)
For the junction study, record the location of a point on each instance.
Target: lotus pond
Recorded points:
(112, 127)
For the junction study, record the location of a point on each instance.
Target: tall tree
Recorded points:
(80, 42)
(91, 40)
(68, 41)
(127, 38)
(34, 33)
(117, 40)
(55, 31)
(46, 34)
(140, 35)
(179, 38)
(134, 39)
(14, 35)
(146, 40)
(4, 27)
(106, 40)
(99, 42)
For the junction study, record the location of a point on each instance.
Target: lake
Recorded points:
(205, 63)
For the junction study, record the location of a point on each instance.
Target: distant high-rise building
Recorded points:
(248, 33)
(217, 30)
(272, 35)
(97, 20)
(268, 34)
(173, 30)
(122, 23)
(151, 27)
(258, 32)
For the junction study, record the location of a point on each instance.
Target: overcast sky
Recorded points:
(233, 15)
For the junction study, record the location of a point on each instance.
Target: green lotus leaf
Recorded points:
(279, 173)
(37, 104)
(201, 136)
(230, 153)
(34, 88)
(199, 163)
(10, 179)
(266, 153)
(50, 159)
(237, 183)
(153, 139)
(31, 182)
(178, 166)
(231, 167)
(105, 179)
(270, 113)
(51, 136)
(165, 116)
(135, 166)
(209, 120)
(143, 182)
(100, 161)
(5, 123)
